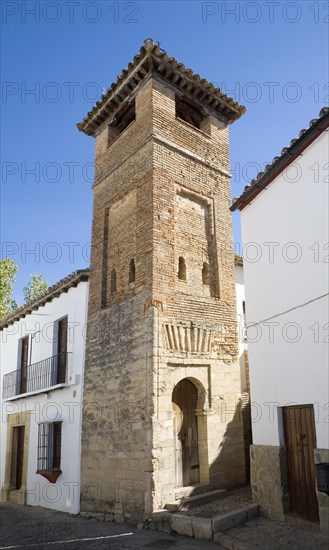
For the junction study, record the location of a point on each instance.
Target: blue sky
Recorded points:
(57, 57)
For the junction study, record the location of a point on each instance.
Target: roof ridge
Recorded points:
(149, 49)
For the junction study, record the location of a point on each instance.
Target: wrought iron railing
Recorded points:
(35, 377)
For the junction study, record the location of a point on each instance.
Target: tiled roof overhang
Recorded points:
(152, 60)
(72, 280)
(288, 155)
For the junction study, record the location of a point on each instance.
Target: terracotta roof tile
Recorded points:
(52, 292)
(152, 59)
(288, 154)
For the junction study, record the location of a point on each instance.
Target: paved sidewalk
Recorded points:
(264, 534)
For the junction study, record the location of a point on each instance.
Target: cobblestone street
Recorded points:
(34, 528)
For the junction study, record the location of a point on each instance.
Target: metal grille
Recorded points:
(38, 376)
(49, 446)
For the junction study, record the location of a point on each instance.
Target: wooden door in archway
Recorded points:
(184, 401)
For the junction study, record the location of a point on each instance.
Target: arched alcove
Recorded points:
(132, 271)
(113, 287)
(181, 269)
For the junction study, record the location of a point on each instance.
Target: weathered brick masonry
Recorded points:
(162, 402)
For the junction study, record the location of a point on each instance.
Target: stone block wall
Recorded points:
(268, 480)
(117, 425)
(161, 193)
(270, 485)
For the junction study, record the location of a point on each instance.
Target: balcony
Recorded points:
(44, 375)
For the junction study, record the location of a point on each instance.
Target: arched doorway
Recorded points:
(184, 402)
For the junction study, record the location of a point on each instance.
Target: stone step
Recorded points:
(189, 502)
(189, 491)
(204, 528)
(239, 516)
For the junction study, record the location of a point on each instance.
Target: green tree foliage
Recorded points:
(34, 288)
(8, 271)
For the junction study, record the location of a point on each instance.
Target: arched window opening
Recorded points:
(181, 269)
(132, 271)
(113, 281)
(205, 274)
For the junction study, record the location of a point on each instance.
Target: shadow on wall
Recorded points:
(126, 498)
(229, 469)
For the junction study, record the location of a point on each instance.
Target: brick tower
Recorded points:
(162, 383)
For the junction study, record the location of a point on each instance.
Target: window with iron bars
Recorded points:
(49, 446)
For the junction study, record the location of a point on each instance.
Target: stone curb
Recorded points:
(231, 543)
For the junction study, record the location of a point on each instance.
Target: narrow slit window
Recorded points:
(205, 274)
(181, 269)
(113, 281)
(132, 271)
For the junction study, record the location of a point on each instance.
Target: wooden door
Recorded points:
(178, 421)
(184, 400)
(17, 457)
(61, 350)
(24, 363)
(300, 441)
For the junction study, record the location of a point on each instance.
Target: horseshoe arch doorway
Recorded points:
(186, 440)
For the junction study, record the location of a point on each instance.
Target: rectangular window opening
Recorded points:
(125, 116)
(49, 446)
(189, 111)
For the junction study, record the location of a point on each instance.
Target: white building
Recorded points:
(241, 316)
(42, 365)
(243, 360)
(285, 234)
